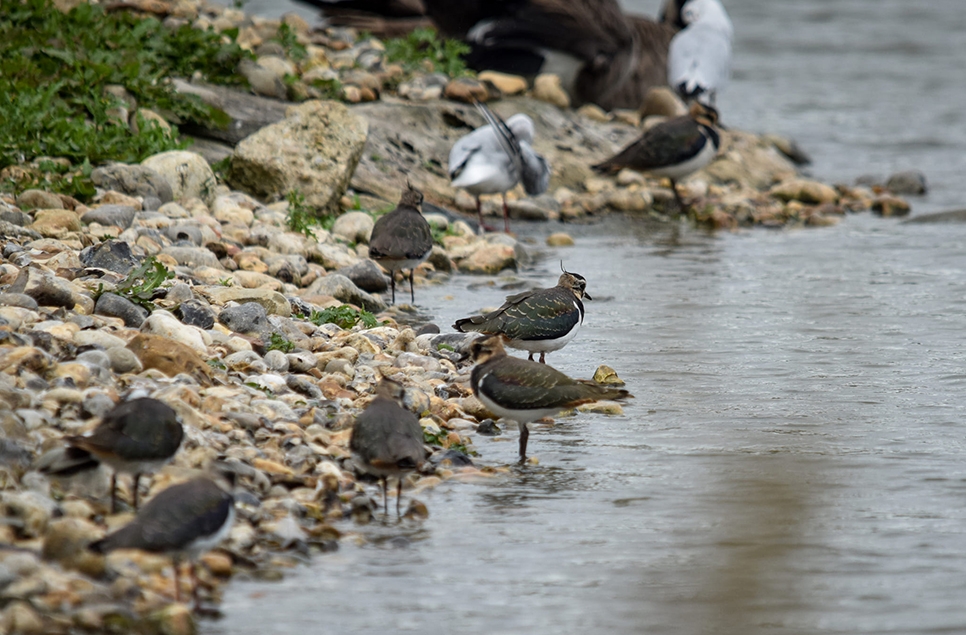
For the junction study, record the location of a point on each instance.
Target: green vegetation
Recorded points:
(440, 439)
(287, 38)
(422, 48)
(280, 343)
(343, 316)
(53, 176)
(55, 70)
(267, 391)
(439, 234)
(302, 218)
(142, 282)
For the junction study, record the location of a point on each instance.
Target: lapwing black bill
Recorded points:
(674, 148)
(537, 321)
(387, 439)
(402, 239)
(183, 521)
(135, 437)
(524, 390)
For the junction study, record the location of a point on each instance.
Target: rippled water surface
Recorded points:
(794, 459)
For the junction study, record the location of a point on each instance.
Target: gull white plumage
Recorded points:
(699, 57)
(495, 157)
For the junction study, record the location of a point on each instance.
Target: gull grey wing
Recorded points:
(536, 171)
(508, 141)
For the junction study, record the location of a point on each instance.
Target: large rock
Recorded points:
(344, 290)
(113, 305)
(54, 223)
(748, 160)
(188, 174)
(169, 357)
(249, 318)
(44, 287)
(908, 182)
(166, 325)
(120, 215)
(314, 150)
(809, 192)
(366, 275)
(113, 255)
(273, 301)
(134, 180)
(354, 226)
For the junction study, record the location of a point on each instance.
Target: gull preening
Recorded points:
(699, 57)
(494, 158)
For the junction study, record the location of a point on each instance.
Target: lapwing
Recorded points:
(524, 390)
(135, 437)
(537, 321)
(495, 157)
(402, 239)
(674, 148)
(699, 57)
(387, 439)
(183, 521)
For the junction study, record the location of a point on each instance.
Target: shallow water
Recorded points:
(794, 460)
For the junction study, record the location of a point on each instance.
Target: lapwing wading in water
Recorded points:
(537, 321)
(387, 439)
(525, 391)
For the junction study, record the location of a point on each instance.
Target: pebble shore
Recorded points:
(227, 337)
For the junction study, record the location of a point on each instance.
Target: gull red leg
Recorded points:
(506, 215)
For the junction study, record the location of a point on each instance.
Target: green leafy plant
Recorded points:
(51, 176)
(55, 67)
(267, 391)
(439, 233)
(423, 45)
(280, 343)
(343, 316)
(299, 217)
(287, 37)
(302, 218)
(142, 282)
(441, 439)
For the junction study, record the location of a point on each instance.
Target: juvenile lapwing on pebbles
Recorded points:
(135, 437)
(494, 158)
(699, 57)
(183, 521)
(525, 391)
(537, 321)
(387, 439)
(402, 239)
(674, 148)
